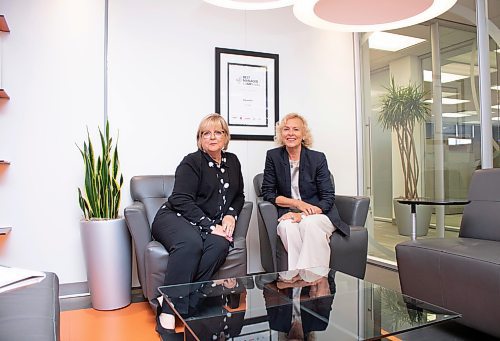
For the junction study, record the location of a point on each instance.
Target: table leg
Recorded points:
(413, 221)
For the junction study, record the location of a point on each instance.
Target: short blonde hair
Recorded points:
(306, 139)
(214, 121)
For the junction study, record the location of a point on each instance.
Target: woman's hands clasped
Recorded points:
(226, 228)
(305, 209)
(293, 216)
(308, 209)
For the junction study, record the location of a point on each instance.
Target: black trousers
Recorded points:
(192, 257)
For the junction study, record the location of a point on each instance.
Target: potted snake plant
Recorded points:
(105, 237)
(403, 107)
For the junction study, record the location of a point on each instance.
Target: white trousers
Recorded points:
(307, 242)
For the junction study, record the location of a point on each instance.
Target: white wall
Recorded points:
(52, 70)
(161, 82)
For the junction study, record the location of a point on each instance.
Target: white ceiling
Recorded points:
(460, 30)
(456, 37)
(493, 11)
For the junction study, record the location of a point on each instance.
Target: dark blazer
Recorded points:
(315, 185)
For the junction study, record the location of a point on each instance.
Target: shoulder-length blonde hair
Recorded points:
(213, 121)
(306, 138)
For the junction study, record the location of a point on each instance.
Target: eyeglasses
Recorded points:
(208, 134)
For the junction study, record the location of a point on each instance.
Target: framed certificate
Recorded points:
(246, 92)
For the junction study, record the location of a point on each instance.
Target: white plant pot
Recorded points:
(402, 212)
(108, 257)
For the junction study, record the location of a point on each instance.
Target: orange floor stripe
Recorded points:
(391, 338)
(134, 322)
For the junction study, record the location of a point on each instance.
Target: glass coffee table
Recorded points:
(316, 303)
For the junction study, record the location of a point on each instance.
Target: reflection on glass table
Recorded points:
(314, 303)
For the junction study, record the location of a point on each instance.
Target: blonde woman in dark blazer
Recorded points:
(297, 180)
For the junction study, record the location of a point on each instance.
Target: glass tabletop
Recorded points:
(433, 201)
(296, 305)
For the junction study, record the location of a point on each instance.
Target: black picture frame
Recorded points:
(247, 92)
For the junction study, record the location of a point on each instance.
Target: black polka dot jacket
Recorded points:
(204, 192)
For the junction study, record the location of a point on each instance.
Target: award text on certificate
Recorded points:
(247, 95)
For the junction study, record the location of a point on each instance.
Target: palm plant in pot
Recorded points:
(105, 237)
(403, 107)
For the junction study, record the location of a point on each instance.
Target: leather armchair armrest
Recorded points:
(138, 226)
(156, 259)
(243, 222)
(349, 252)
(268, 234)
(353, 209)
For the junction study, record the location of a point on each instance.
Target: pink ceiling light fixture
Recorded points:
(251, 4)
(368, 15)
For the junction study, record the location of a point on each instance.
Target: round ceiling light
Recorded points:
(368, 15)
(251, 4)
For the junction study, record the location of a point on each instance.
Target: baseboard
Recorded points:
(381, 262)
(81, 289)
(77, 289)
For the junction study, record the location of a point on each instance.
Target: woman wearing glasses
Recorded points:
(196, 224)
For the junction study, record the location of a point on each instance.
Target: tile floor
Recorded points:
(386, 236)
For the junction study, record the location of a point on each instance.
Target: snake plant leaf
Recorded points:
(103, 181)
(84, 204)
(107, 128)
(116, 164)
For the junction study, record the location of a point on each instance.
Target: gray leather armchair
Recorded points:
(149, 192)
(463, 273)
(31, 312)
(348, 253)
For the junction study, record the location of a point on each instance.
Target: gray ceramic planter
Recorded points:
(108, 257)
(402, 213)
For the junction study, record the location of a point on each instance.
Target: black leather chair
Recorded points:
(149, 192)
(461, 274)
(348, 253)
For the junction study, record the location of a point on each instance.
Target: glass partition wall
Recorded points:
(448, 143)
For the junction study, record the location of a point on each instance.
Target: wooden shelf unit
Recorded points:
(5, 230)
(3, 94)
(3, 24)
(3, 28)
